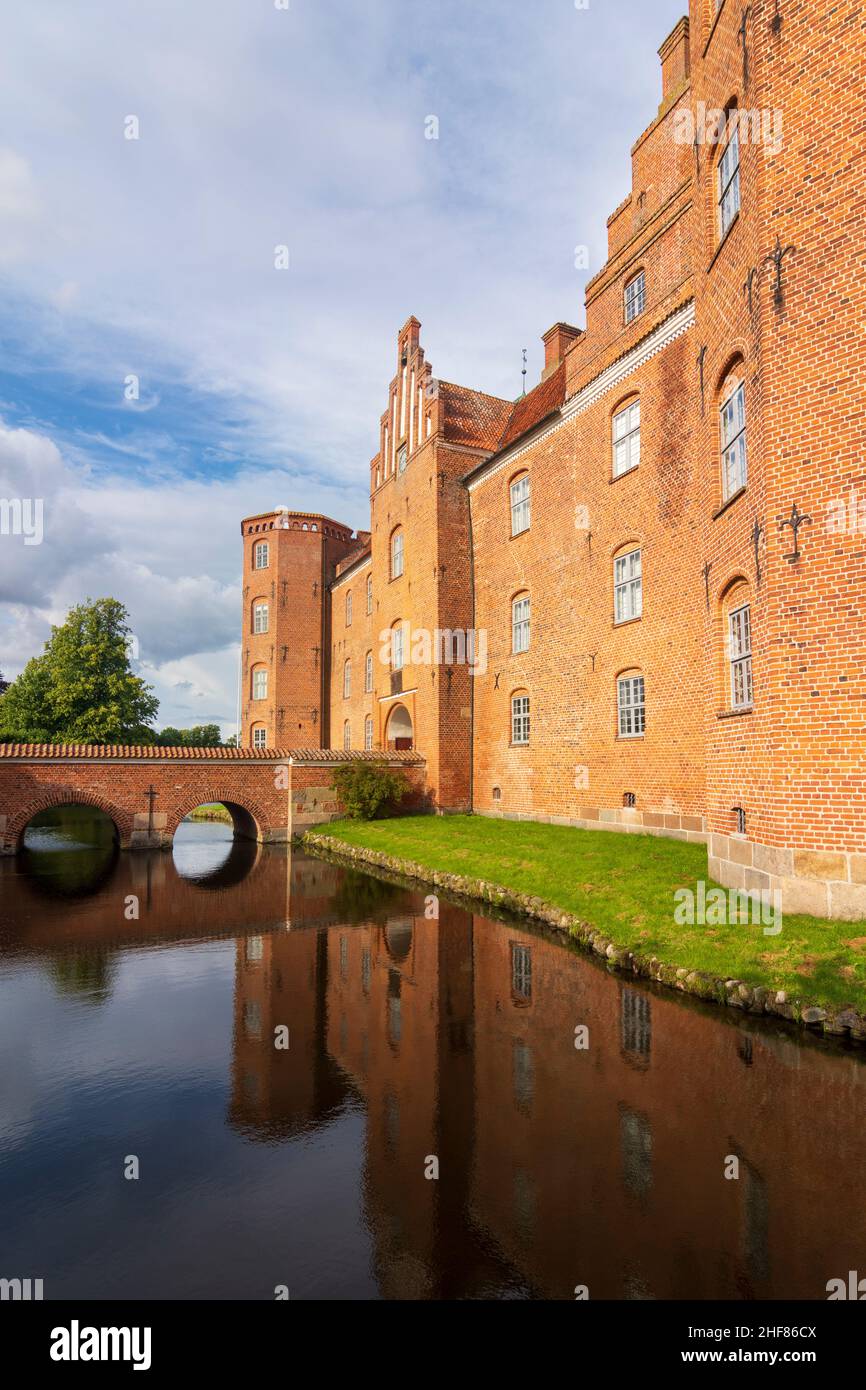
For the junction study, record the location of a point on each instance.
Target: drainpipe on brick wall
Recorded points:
(472, 677)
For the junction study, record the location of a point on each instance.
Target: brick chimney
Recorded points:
(674, 54)
(557, 340)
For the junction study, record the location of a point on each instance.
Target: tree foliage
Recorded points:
(202, 736)
(368, 790)
(82, 688)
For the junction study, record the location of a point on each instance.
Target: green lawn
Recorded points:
(624, 886)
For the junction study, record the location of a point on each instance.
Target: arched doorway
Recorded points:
(399, 734)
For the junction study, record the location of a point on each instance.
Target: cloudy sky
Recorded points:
(260, 126)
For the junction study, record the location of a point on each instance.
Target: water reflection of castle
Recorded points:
(455, 1037)
(557, 1166)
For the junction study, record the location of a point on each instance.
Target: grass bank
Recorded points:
(622, 888)
(210, 812)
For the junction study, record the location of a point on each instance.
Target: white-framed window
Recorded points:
(397, 648)
(627, 587)
(369, 593)
(520, 624)
(260, 683)
(368, 733)
(261, 618)
(733, 433)
(520, 719)
(261, 555)
(349, 609)
(396, 554)
(347, 679)
(347, 735)
(631, 706)
(729, 182)
(260, 738)
(520, 505)
(626, 439)
(635, 297)
(740, 656)
(368, 673)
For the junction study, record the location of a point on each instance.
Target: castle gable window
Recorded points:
(626, 439)
(260, 683)
(396, 554)
(520, 517)
(261, 620)
(729, 182)
(261, 555)
(740, 656)
(733, 434)
(631, 707)
(635, 297)
(627, 587)
(520, 624)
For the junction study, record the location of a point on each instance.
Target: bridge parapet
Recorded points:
(147, 791)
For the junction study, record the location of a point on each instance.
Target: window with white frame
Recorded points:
(260, 618)
(635, 297)
(733, 429)
(631, 706)
(627, 587)
(368, 733)
(729, 180)
(520, 624)
(520, 719)
(626, 439)
(260, 684)
(260, 738)
(520, 505)
(740, 656)
(369, 593)
(368, 673)
(261, 555)
(396, 554)
(347, 679)
(349, 609)
(397, 648)
(347, 735)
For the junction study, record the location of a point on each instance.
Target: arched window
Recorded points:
(737, 619)
(260, 736)
(347, 735)
(626, 438)
(368, 732)
(368, 673)
(369, 593)
(261, 555)
(519, 495)
(397, 553)
(627, 585)
(520, 623)
(732, 426)
(635, 296)
(261, 616)
(347, 679)
(631, 705)
(260, 683)
(397, 652)
(349, 608)
(520, 718)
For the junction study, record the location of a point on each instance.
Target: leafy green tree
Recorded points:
(202, 736)
(81, 689)
(368, 790)
(4, 685)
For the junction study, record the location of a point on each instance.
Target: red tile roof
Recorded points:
(471, 417)
(544, 400)
(152, 753)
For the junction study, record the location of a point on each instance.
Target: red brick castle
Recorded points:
(634, 597)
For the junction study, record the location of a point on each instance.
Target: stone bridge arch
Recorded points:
(46, 799)
(249, 819)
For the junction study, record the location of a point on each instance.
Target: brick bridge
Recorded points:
(272, 794)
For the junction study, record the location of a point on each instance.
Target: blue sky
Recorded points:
(261, 127)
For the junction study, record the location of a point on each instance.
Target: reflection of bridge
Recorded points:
(147, 791)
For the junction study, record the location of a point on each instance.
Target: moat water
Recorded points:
(141, 997)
